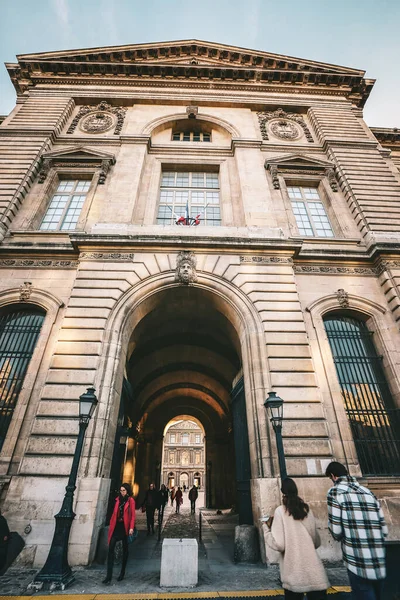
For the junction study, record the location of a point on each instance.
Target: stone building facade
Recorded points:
(184, 457)
(187, 226)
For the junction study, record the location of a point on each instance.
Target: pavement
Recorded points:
(219, 576)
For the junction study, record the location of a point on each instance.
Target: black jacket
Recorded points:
(151, 499)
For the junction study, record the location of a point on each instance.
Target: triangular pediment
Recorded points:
(78, 153)
(298, 160)
(195, 61)
(187, 52)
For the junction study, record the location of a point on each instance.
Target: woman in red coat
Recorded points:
(121, 525)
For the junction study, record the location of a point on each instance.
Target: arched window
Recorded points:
(374, 420)
(19, 330)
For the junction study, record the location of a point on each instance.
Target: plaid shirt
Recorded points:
(356, 519)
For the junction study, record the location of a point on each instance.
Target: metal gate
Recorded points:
(242, 454)
(374, 420)
(19, 331)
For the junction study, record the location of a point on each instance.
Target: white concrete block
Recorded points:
(179, 563)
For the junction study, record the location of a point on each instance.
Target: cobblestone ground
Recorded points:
(217, 571)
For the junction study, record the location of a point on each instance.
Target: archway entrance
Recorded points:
(184, 358)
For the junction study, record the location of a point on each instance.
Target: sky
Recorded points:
(363, 34)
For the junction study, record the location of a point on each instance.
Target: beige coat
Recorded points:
(300, 566)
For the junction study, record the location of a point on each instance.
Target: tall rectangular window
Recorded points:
(309, 212)
(189, 198)
(198, 438)
(185, 438)
(65, 206)
(172, 438)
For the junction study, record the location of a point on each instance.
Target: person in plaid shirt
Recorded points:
(356, 520)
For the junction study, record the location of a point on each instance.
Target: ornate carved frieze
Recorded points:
(186, 267)
(343, 298)
(43, 263)
(283, 125)
(114, 256)
(99, 118)
(334, 270)
(25, 291)
(267, 259)
(385, 265)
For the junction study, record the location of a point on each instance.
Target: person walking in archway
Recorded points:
(150, 503)
(122, 524)
(178, 499)
(162, 501)
(193, 495)
(294, 535)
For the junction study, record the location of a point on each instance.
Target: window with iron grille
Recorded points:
(65, 206)
(19, 331)
(374, 420)
(191, 136)
(309, 211)
(189, 198)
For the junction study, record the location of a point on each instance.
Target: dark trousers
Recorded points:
(150, 518)
(193, 506)
(365, 589)
(161, 514)
(111, 553)
(318, 595)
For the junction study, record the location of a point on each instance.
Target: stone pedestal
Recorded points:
(246, 544)
(179, 563)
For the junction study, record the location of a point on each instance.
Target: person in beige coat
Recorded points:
(294, 535)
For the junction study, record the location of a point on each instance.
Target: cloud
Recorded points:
(62, 12)
(253, 21)
(107, 12)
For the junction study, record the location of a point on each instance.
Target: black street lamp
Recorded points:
(274, 406)
(56, 571)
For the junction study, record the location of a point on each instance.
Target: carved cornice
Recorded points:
(387, 136)
(188, 60)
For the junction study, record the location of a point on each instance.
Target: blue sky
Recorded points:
(355, 33)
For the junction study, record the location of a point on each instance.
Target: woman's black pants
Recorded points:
(150, 510)
(111, 553)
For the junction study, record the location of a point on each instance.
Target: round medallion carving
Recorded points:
(285, 129)
(97, 122)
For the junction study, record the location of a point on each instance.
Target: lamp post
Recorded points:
(56, 570)
(274, 406)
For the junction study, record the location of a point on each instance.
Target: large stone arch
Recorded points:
(380, 321)
(163, 122)
(131, 308)
(12, 449)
